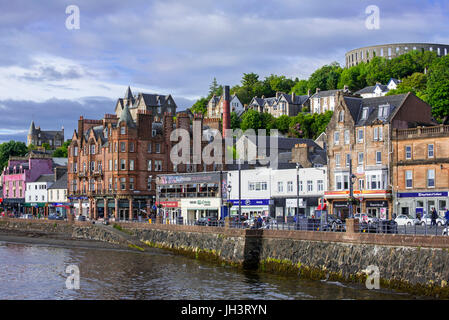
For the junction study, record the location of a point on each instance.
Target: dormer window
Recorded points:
(384, 110)
(365, 113)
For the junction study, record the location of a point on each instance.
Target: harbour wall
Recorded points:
(414, 264)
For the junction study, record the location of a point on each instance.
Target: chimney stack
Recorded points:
(318, 90)
(308, 92)
(226, 112)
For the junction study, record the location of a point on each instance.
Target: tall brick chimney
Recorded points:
(226, 112)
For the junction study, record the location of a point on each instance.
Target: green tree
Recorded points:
(300, 88)
(235, 121)
(325, 78)
(353, 78)
(280, 83)
(213, 88)
(46, 146)
(251, 119)
(416, 83)
(200, 106)
(62, 152)
(283, 123)
(438, 88)
(11, 149)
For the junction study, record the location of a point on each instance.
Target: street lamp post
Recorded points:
(297, 190)
(352, 179)
(240, 191)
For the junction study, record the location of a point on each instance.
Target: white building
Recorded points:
(274, 192)
(36, 192)
(57, 196)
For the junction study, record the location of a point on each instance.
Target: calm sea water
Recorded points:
(38, 272)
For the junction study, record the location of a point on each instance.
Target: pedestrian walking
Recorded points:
(434, 217)
(446, 216)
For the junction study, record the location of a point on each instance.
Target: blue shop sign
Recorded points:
(422, 194)
(251, 202)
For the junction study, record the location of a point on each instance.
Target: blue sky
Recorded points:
(53, 75)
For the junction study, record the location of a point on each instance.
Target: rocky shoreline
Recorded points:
(54, 239)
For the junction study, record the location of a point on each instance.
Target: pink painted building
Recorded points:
(17, 173)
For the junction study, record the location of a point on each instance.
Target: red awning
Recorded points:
(321, 207)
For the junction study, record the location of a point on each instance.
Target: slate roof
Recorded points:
(46, 178)
(59, 162)
(151, 100)
(61, 183)
(371, 89)
(125, 116)
(356, 105)
(326, 93)
(214, 99)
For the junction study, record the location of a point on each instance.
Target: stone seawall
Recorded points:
(405, 265)
(418, 265)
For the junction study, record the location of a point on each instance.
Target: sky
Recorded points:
(53, 74)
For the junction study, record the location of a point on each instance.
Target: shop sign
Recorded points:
(377, 204)
(422, 194)
(340, 204)
(251, 202)
(200, 203)
(293, 203)
(168, 204)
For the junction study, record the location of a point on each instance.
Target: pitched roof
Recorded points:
(324, 94)
(371, 89)
(128, 94)
(356, 105)
(125, 116)
(32, 128)
(61, 183)
(151, 100)
(46, 178)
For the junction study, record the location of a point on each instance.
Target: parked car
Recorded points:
(372, 219)
(427, 219)
(363, 217)
(445, 231)
(403, 220)
(27, 216)
(334, 223)
(55, 217)
(369, 227)
(207, 221)
(81, 218)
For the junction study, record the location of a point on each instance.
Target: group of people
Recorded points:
(434, 216)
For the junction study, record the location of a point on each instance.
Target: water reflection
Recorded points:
(38, 272)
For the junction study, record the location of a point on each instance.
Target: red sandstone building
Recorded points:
(360, 136)
(113, 162)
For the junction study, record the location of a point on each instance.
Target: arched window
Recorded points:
(341, 116)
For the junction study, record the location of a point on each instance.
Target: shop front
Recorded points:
(169, 209)
(252, 207)
(193, 209)
(35, 208)
(377, 208)
(14, 205)
(419, 203)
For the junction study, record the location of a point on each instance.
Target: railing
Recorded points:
(401, 133)
(306, 224)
